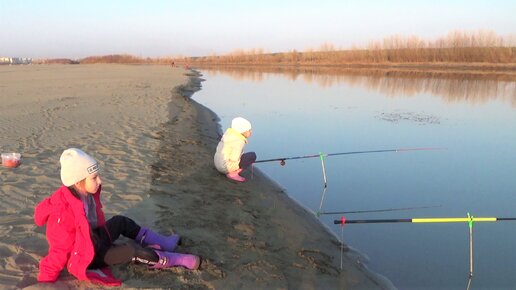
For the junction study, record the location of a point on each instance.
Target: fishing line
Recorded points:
(379, 210)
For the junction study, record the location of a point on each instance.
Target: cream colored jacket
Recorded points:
(229, 150)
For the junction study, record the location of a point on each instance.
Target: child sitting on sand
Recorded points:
(228, 158)
(81, 239)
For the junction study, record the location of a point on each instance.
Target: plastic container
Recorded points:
(11, 160)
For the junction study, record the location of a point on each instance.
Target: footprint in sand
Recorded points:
(318, 260)
(245, 229)
(211, 271)
(261, 270)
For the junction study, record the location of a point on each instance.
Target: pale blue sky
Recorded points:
(76, 29)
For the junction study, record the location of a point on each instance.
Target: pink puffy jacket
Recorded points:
(68, 234)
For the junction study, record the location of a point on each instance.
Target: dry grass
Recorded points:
(457, 47)
(494, 55)
(483, 50)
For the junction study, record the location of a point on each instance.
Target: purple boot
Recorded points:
(146, 237)
(167, 260)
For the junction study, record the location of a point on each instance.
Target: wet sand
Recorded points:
(155, 147)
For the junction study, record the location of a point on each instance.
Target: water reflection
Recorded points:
(473, 87)
(475, 174)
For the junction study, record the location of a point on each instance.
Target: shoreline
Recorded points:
(211, 123)
(250, 235)
(155, 148)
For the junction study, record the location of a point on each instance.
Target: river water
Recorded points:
(470, 118)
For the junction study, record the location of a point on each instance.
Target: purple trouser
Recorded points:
(247, 159)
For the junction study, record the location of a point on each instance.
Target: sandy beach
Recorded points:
(155, 147)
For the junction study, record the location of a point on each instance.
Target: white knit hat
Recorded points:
(240, 125)
(76, 166)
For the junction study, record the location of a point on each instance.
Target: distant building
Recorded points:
(5, 60)
(15, 60)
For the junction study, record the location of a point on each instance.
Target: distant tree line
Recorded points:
(115, 58)
(457, 47)
(55, 61)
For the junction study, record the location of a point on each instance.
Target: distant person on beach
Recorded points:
(228, 158)
(81, 239)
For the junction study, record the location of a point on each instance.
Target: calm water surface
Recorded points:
(474, 118)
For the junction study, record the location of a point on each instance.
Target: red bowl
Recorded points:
(13, 163)
(11, 160)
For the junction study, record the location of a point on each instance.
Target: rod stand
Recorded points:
(325, 185)
(470, 225)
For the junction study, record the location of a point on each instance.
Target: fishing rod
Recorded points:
(322, 157)
(423, 220)
(283, 159)
(469, 219)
